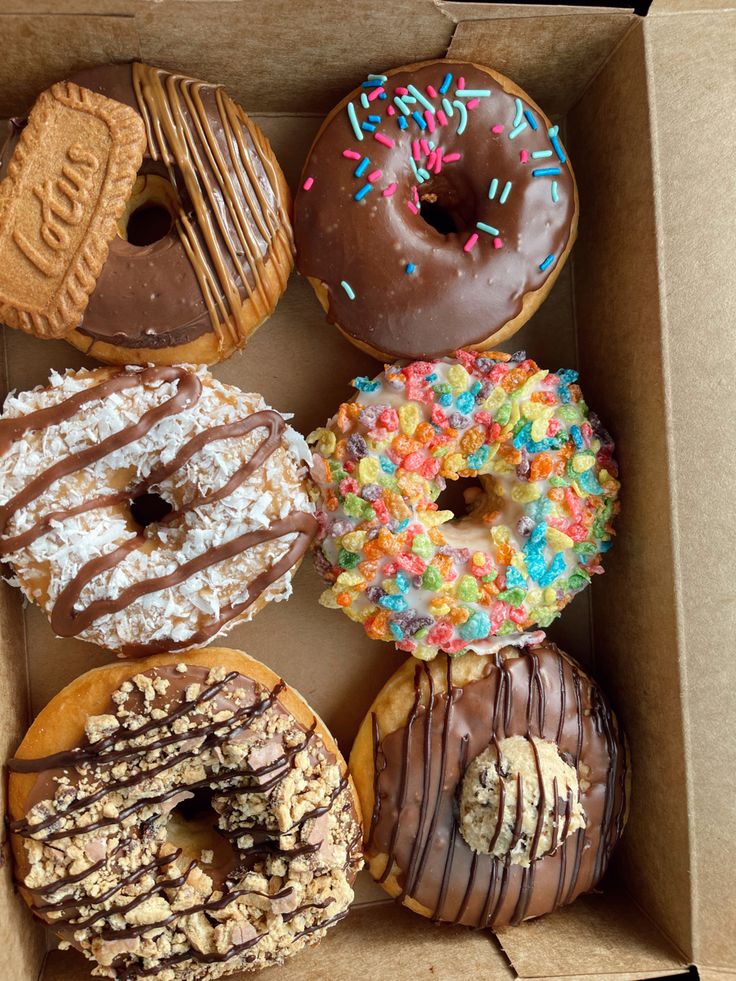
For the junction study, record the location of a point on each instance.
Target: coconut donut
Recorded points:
(183, 819)
(536, 527)
(204, 247)
(436, 209)
(493, 789)
(134, 571)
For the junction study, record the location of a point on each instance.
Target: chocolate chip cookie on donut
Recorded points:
(167, 243)
(183, 818)
(149, 510)
(493, 789)
(436, 209)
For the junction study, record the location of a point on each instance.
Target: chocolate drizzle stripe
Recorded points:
(426, 774)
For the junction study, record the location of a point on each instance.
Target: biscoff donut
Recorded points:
(493, 789)
(134, 571)
(183, 818)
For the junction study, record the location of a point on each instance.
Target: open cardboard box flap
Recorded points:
(641, 308)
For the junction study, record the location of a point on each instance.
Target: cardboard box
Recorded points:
(646, 309)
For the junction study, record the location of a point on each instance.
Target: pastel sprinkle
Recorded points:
(308, 183)
(472, 93)
(421, 98)
(410, 267)
(471, 242)
(354, 121)
(463, 116)
(348, 289)
(497, 243)
(492, 188)
(416, 172)
(374, 119)
(368, 127)
(452, 157)
(377, 78)
(517, 129)
(498, 128)
(432, 160)
(351, 154)
(545, 171)
(388, 191)
(555, 194)
(461, 82)
(400, 104)
(402, 90)
(547, 262)
(364, 100)
(402, 122)
(425, 147)
(359, 195)
(539, 154)
(446, 83)
(362, 167)
(556, 144)
(374, 176)
(419, 120)
(532, 121)
(412, 207)
(524, 156)
(519, 112)
(430, 120)
(391, 111)
(441, 117)
(486, 228)
(386, 140)
(375, 93)
(505, 193)
(423, 173)
(448, 108)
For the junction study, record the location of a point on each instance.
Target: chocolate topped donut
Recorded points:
(436, 208)
(204, 248)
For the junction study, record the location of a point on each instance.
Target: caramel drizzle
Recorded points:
(180, 134)
(66, 620)
(103, 753)
(498, 886)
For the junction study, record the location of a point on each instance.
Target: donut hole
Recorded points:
(148, 509)
(477, 504)
(149, 212)
(459, 496)
(439, 217)
(446, 207)
(192, 826)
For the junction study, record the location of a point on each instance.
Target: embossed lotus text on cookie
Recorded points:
(67, 185)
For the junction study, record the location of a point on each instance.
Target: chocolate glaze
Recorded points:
(66, 620)
(103, 754)
(452, 299)
(230, 217)
(419, 771)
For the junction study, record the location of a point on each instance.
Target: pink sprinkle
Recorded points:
(452, 157)
(441, 117)
(391, 111)
(386, 140)
(461, 82)
(438, 164)
(425, 147)
(415, 194)
(308, 183)
(431, 91)
(412, 207)
(524, 156)
(497, 243)
(473, 103)
(497, 129)
(388, 191)
(471, 241)
(351, 154)
(374, 175)
(415, 151)
(374, 93)
(431, 160)
(430, 120)
(400, 90)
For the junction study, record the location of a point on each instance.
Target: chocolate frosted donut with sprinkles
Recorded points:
(149, 510)
(436, 208)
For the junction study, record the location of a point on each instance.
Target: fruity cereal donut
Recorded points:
(437, 207)
(537, 524)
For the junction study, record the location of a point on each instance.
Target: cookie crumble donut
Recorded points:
(132, 571)
(204, 248)
(436, 209)
(537, 524)
(499, 803)
(183, 819)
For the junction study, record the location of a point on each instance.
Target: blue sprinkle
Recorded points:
(445, 398)
(522, 436)
(449, 111)
(577, 437)
(463, 116)
(589, 482)
(359, 195)
(547, 263)
(541, 153)
(351, 296)
(474, 388)
(532, 121)
(374, 81)
(472, 93)
(567, 375)
(545, 171)
(401, 105)
(424, 101)
(354, 121)
(402, 581)
(416, 172)
(514, 578)
(377, 78)
(492, 188)
(476, 627)
(362, 166)
(486, 228)
(477, 460)
(517, 129)
(382, 95)
(397, 632)
(419, 121)
(555, 193)
(386, 465)
(402, 123)
(505, 192)
(410, 267)
(410, 100)
(374, 119)
(402, 524)
(431, 378)
(446, 83)
(519, 112)
(363, 383)
(557, 567)
(364, 100)
(465, 402)
(556, 144)
(368, 127)
(395, 603)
